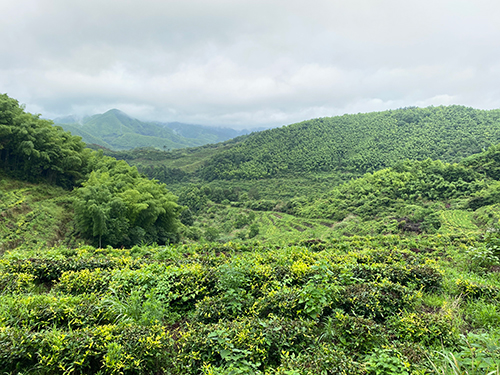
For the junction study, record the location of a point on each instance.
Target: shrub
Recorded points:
(426, 329)
(84, 281)
(38, 312)
(16, 282)
(212, 234)
(385, 362)
(354, 334)
(109, 349)
(49, 270)
(323, 359)
(247, 343)
(421, 276)
(480, 258)
(378, 300)
(470, 289)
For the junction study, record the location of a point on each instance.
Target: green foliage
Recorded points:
(322, 359)
(211, 234)
(135, 308)
(482, 313)
(84, 281)
(480, 258)
(118, 207)
(393, 190)
(472, 289)
(32, 149)
(34, 215)
(354, 334)
(486, 162)
(385, 362)
(378, 300)
(358, 143)
(454, 221)
(487, 216)
(39, 312)
(48, 270)
(108, 349)
(427, 329)
(354, 305)
(479, 354)
(489, 195)
(16, 282)
(253, 230)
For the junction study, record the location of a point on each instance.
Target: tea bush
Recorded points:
(427, 329)
(353, 306)
(84, 281)
(107, 349)
(16, 282)
(39, 312)
(378, 300)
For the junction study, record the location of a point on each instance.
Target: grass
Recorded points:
(460, 221)
(33, 215)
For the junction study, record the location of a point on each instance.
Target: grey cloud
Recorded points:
(248, 63)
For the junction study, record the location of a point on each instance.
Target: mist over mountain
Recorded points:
(116, 130)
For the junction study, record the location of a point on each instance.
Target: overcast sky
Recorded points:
(249, 63)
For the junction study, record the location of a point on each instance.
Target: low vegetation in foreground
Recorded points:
(357, 305)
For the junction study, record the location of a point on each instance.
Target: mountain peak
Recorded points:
(116, 112)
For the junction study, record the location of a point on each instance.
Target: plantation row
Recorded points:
(358, 305)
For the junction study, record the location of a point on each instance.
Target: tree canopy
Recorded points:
(32, 148)
(358, 143)
(116, 206)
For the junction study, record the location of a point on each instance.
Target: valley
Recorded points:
(358, 244)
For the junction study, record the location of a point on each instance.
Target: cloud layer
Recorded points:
(248, 63)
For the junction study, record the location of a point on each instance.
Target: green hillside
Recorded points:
(88, 138)
(302, 272)
(116, 130)
(34, 215)
(358, 143)
(342, 146)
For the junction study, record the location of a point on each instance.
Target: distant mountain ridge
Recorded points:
(116, 130)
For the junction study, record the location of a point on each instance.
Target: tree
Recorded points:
(118, 207)
(212, 234)
(32, 148)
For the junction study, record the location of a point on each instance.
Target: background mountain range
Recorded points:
(116, 130)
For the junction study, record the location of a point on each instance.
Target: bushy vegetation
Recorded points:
(34, 215)
(392, 190)
(394, 272)
(118, 207)
(349, 144)
(353, 306)
(33, 149)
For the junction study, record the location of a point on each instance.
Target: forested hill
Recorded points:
(358, 143)
(116, 130)
(113, 203)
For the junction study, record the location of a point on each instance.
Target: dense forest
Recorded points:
(349, 144)
(363, 244)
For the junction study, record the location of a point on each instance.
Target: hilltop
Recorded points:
(115, 129)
